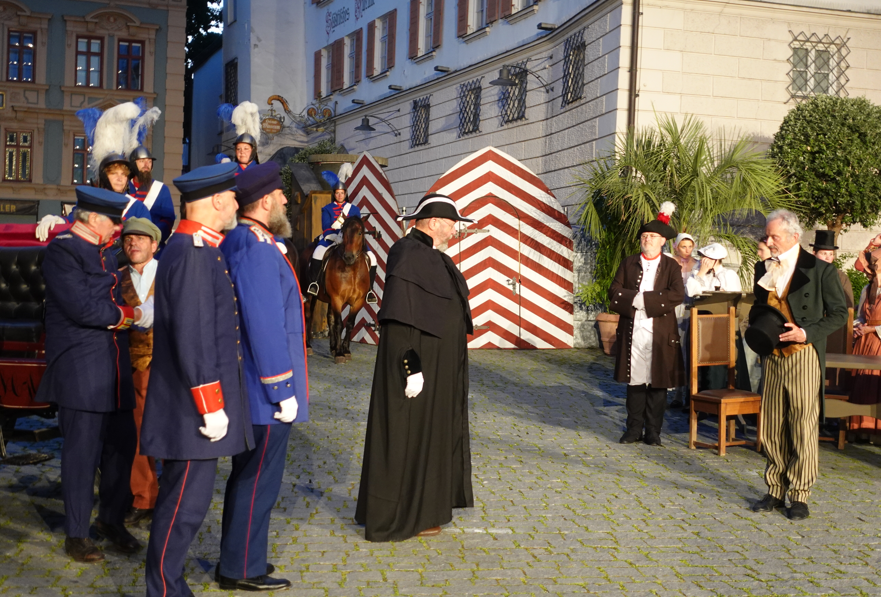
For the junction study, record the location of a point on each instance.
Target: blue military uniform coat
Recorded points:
(329, 214)
(195, 346)
(274, 350)
(87, 355)
(157, 199)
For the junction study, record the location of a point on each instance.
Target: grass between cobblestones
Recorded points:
(560, 507)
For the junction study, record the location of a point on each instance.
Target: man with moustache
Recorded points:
(140, 241)
(196, 409)
(417, 455)
(274, 360)
(151, 192)
(807, 295)
(88, 373)
(645, 292)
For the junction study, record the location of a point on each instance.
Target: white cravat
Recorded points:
(143, 282)
(779, 271)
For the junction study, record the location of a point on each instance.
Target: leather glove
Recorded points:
(288, 410)
(146, 319)
(639, 302)
(415, 383)
(216, 424)
(46, 224)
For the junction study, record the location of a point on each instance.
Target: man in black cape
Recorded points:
(417, 455)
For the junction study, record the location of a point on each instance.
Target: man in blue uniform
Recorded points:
(89, 374)
(333, 216)
(196, 409)
(274, 353)
(246, 152)
(152, 193)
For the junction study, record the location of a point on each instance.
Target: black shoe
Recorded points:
(652, 440)
(269, 570)
(82, 550)
(767, 504)
(118, 536)
(136, 515)
(799, 511)
(257, 583)
(629, 438)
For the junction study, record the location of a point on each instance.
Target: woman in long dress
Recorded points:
(867, 331)
(683, 249)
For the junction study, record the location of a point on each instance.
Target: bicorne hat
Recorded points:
(824, 240)
(766, 324)
(436, 205)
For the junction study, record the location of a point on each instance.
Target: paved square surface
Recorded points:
(560, 507)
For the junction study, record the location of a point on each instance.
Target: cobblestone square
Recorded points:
(560, 507)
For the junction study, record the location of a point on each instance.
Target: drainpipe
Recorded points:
(634, 61)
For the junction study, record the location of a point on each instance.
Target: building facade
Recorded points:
(60, 56)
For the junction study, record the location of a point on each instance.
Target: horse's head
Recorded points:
(353, 239)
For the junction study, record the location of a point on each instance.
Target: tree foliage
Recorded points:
(711, 183)
(202, 17)
(829, 150)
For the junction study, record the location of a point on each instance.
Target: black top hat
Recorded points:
(766, 323)
(824, 240)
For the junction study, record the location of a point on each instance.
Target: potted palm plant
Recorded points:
(712, 181)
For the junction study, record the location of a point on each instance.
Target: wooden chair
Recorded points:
(838, 342)
(712, 343)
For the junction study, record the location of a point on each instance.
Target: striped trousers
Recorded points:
(790, 423)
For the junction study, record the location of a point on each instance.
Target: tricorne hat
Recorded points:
(713, 251)
(824, 240)
(766, 324)
(661, 225)
(436, 205)
(207, 181)
(257, 181)
(142, 227)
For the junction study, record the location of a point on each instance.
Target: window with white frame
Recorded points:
(478, 14)
(818, 66)
(350, 60)
(518, 5)
(383, 45)
(427, 26)
(328, 70)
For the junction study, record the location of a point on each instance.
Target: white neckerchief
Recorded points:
(777, 276)
(143, 282)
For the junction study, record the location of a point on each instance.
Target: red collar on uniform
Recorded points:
(83, 231)
(649, 258)
(211, 236)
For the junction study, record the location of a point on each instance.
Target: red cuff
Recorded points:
(208, 397)
(127, 317)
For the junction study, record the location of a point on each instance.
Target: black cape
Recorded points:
(417, 454)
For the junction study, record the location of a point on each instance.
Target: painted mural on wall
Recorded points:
(517, 258)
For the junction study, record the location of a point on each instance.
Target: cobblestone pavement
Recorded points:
(561, 508)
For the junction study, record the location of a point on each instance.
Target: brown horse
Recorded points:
(345, 280)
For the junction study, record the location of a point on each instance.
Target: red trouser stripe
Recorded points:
(253, 496)
(171, 526)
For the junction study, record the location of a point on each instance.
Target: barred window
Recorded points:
(231, 82)
(17, 155)
(818, 66)
(512, 100)
(469, 107)
(80, 159)
(419, 118)
(573, 68)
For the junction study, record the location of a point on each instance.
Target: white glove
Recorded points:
(415, 384)
(216, 424)
(46, 224)
(146, 319)
(639, 302)
(288, 410)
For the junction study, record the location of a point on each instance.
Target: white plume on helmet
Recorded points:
(345, 172)
(112, 132)
(667, 208)
(140, 128)
(246, 118)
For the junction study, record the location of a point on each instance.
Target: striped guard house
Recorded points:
(371, 191)
(517, 258)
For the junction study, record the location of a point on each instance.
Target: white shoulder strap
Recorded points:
(153, 194)
(131, 201)
(347, 208)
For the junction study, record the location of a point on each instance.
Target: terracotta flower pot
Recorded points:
(608, 325)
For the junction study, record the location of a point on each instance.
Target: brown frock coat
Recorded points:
(669, 292)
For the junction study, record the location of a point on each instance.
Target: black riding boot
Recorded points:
(314, 272)
(371, 296)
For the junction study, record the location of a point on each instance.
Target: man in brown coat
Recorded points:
(645, 292)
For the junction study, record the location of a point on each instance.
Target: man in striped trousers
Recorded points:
(808, 293)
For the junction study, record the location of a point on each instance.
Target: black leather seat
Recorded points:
(22, 294)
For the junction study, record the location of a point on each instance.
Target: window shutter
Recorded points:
(414, 29)
(371, 48)
(492, 11)
(438, 24)
(338, 64)
(359, 39)
(507, 7)
(317, 79)
(462, 19)
(392, 34)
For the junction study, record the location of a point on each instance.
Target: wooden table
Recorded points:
(837, 406)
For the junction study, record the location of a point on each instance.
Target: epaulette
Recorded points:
(261, 235)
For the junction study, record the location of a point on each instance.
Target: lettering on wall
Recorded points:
(361, 6)
(335, 19)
